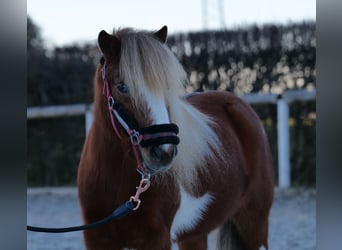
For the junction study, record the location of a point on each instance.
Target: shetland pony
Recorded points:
(217, 179)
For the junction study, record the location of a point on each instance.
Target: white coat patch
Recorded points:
(189, 213)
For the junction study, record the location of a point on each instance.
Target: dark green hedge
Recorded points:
(254, 59)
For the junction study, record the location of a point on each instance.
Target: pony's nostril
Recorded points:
(155, 152)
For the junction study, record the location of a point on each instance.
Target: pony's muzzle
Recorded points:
(159, 146)
(162, 155)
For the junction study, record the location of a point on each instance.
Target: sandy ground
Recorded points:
(292, 221)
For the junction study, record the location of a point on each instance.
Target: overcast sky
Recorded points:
(67, 21)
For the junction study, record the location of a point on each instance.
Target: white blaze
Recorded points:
(159, 113)
(157, 107)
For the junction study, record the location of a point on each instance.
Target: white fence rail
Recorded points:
(283, 132)
(282, 102)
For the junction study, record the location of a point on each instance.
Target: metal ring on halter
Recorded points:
(135, 137)
(111, 101)
(144, 173)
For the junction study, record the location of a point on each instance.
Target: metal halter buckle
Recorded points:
(135, 137)
(111, 101)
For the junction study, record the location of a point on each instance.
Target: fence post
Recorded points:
(88, 119)
(283, 144)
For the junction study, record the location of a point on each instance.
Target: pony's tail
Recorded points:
(229, 238)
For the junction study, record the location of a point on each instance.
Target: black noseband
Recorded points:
(156, 135)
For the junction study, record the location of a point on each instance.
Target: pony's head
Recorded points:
(144, 79)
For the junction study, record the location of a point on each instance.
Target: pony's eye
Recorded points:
(122, 87)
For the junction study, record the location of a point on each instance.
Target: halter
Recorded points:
(154, 135)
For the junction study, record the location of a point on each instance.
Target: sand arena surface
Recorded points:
(292, 221)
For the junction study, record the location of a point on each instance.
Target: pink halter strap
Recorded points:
(111, 101)
(135, 137)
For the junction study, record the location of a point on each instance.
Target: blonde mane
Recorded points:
(146, 64)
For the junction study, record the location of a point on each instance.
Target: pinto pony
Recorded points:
(204, 157)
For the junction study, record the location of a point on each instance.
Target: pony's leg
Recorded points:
(156, 239)
(157, 245)
(198, 243)
(96, 240)
(253, 235)
(229, 238)
(244, 235)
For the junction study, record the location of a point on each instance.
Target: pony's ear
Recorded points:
(161, 34)
(108, 44)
